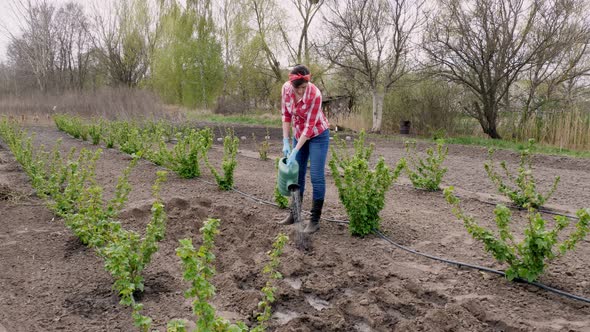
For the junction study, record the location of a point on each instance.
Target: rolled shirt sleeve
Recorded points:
(286, 99)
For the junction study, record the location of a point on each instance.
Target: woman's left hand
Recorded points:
(292, 157)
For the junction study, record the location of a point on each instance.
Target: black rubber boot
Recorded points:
(290, 219)
(314, 220)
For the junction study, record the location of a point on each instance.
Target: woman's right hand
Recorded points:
(286, 147)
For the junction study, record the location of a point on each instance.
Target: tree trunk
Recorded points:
(378, 98)
(490, 116)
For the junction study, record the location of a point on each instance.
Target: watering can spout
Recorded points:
(288, 177)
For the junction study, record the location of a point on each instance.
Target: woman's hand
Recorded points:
(286, 147)
(292, 157)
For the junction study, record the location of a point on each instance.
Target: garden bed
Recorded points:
(49, 281)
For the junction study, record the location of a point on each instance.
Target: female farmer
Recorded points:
(301, 106)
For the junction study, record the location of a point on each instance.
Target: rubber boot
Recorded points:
(289, 220)
(314, 221)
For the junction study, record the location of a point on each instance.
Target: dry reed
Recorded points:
(566, 130)
(107, 103)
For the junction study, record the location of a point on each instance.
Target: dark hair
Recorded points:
(299, 69)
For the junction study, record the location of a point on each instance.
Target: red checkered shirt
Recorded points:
(308, 118)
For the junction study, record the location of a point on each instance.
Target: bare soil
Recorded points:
(50, 282)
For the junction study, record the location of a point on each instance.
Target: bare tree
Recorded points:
(307, 10)
(563, 62)
(72, 46)
(35, 45)
(123, 39)
(486, 46)
(371, 40)
(266, 26)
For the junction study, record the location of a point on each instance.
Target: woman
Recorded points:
(301, 106)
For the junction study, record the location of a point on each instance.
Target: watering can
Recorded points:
(288, 177)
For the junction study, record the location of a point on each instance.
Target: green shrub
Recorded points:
(71, 125)
(526, 259)
(229, 163)
(185, 157)
(76, 175)
(523, 192)
(270, 269)
(126, 254)
(199, 269)
(262, 147)
(95, 132)
(361, 189)
(426, 173)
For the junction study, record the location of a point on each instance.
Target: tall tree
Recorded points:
(486, 46)
(267, 26)
(72, 46)
(559, 66)
(187, 66)
(371, 39)
(299, 52)
(33, 45)
(234, 34)
(123, 39)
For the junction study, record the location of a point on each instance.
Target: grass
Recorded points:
(516, 146)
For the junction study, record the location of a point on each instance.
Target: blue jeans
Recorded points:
(315, 150)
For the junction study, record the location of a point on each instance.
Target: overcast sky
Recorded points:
(5, 20)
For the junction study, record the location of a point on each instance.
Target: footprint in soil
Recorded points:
(74, 247)
(156, 285)
(92, 304)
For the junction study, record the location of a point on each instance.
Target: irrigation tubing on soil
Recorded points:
(512, 206)
(436, 258)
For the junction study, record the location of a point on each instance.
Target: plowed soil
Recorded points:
(49, 281)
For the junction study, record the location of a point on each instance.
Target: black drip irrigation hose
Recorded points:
(512, 206)
(436, 258)
(482, 268)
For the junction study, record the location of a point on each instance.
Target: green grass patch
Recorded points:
(267, 120)
(516, 146)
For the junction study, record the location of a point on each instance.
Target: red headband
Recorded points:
(294, 77)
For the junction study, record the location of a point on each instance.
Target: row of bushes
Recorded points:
(71, 191)
(362, 190)
(152, 141)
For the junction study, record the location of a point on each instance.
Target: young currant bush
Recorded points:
(93, 223)
(426, 173)
(262, 147)
(186, 155)
(361, 189)
(71, 125)
(229, 163)
(75, 178)
(270, 269)
(126, 254)
(523, 193)
(95, 132)
(199, 269)
(528, 258)
(136, 141)
(109, 135)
